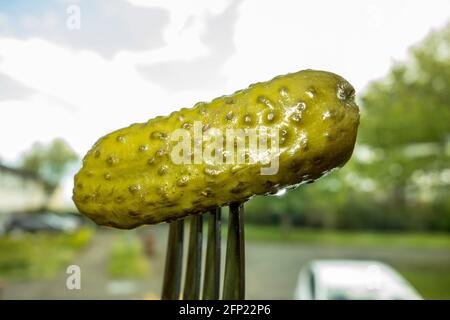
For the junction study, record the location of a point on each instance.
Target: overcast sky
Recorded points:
(134, 59)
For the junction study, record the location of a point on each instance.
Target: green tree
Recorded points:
(50, 161)
(412, 104)
(404, 133)
(406, 117)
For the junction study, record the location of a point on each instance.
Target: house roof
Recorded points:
(23, 173)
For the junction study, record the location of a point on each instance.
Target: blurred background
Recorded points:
(72, 71)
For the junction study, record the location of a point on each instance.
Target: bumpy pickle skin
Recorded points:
(129, 179)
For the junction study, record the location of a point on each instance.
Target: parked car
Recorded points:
(48, 221)
(352, 280)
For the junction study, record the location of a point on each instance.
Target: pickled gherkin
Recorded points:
(130, 176)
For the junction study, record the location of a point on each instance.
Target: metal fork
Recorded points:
(234, 276)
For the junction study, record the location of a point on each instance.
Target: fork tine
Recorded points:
(234, 280)
(173, 264)
(211, 284)
(194, 262)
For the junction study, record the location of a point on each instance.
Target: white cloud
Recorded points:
(107, 27)
(357, 39)
(80, 94)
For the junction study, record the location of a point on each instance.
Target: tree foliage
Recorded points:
(399, 176)
(49, 161)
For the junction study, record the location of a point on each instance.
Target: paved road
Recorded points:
(272, 269)
(95, 284)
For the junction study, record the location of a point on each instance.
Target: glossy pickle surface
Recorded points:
(128, 177)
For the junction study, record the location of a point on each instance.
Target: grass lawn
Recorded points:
(431, 285)
(41, 255)
(349, 238)
(430, 276)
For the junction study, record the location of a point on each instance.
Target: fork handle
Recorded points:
(174, 259)
(194, 259)
(211, 285)
(234, 279)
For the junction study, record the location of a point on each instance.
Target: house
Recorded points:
(20, 191)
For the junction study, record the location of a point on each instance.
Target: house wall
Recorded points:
(19, 192)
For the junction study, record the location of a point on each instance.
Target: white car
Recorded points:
(352, 280)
